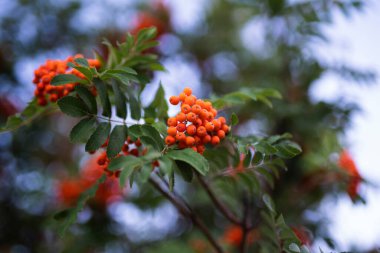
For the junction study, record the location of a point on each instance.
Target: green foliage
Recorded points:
(30, 113)
(65, 79)
(245, 95)
(82, 131)
(189, 156)
(158, 109)
(73, 106)
(98, 137)
(87, 98)
(116, 140)
(103, 95)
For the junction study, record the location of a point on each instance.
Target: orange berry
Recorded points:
(204, 114)
(196, 109)
(208, 106)
(185, 108)
(201, 131)
(217, 124)
(172, 122)
(191, 130)
(134, 152)
(198, 122)
(190, 141)
(182, 144)
(53, 98)
(206, 139)
(201, 103)
(226, 128)
(222, 120)
(138, 142)
(191, 117)
(41, 101)
(190, 100)
(187, 91)
(197, 140)
(182, 96)
(174, 100)
(180, 137)
(169, 140)
(221, 134)
(215, 140)
(41, 86)
(181, 127)
(125, 148)
(194, 148)
(172, 131)
(214, 112)
(209, 117)
(181, 117)
(201, 149)
(209, 126)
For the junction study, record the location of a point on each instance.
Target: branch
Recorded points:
(223, 209)
(187, 212)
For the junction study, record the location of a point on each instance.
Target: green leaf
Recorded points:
(98, 137)
(123, 77)
(234, 119)
(65, 79)
(31, 111)
(85, 71)
(123, 162)
(82, 62)
(166, 165)
(135, 131)
(116, 140)
(288, 149)
(73, 212)
(73, 106)
(149, 141)
(265, 148)
(160, 127)
(269, 203)
(120, 101)
(151, 132)
(185, 169)
(81, 132)
(103, 95)
(87, 98)
(146, 34)
(119, 70)
(134, 106)
(189, 156)
(159, 107)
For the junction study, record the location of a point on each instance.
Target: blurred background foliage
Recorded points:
(232, 45)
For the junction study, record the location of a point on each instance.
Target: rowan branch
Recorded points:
(222, 208)
(184, 209)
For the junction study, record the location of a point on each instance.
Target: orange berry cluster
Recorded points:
(196, 124)
(45, 73)
(129, 148)
(347, 163)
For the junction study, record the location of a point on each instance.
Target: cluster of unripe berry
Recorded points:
(44, 74)
(196, 124)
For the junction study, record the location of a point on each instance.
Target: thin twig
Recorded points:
(222, 208)
(185, 211)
